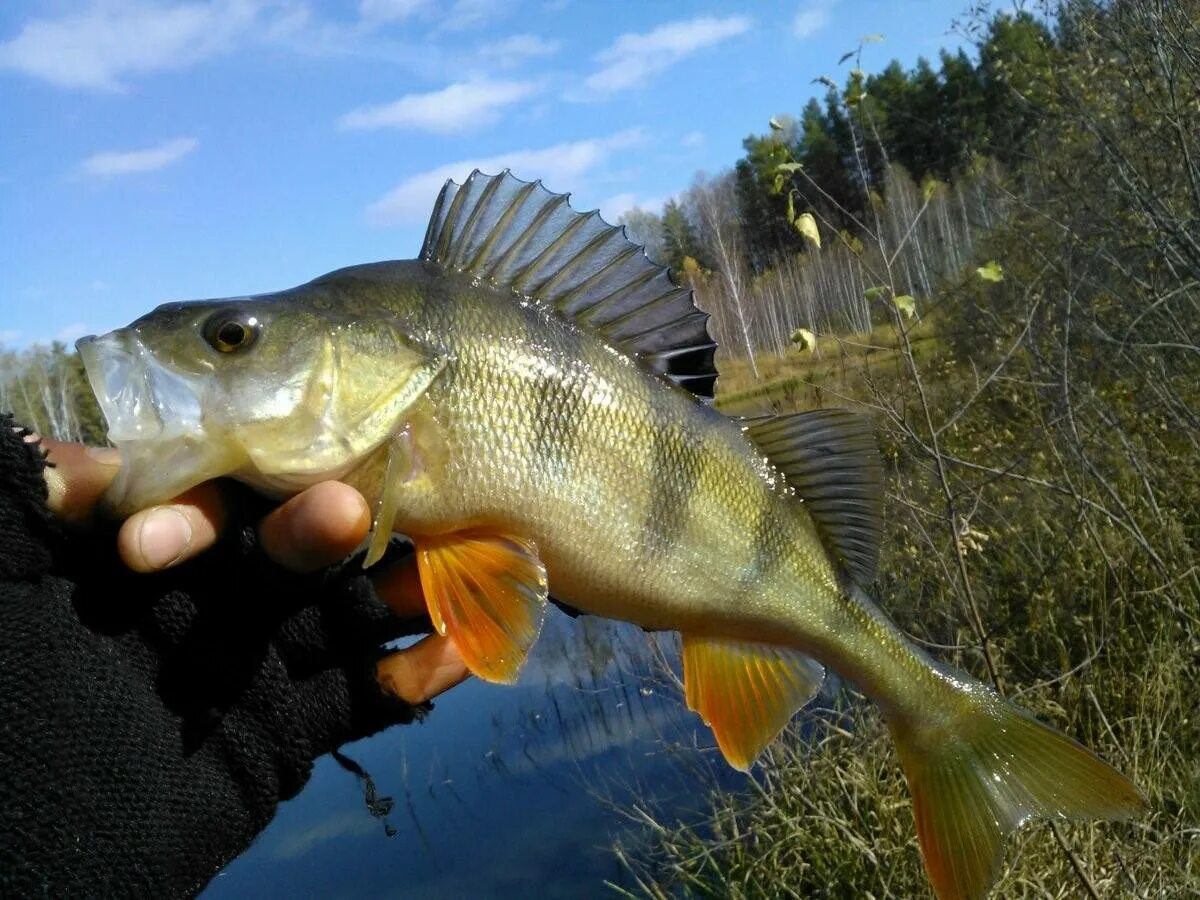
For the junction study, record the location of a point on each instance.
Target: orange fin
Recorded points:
(488, 593)
(746, 692)
(982, 777)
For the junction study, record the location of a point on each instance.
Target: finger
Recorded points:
(423, 671)
(317, 527)
(399, 586)
(163, 536)
(77, 477)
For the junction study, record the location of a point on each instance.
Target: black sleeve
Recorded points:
(150, 725)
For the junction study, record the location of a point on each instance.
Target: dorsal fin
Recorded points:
(510, 232)
(831, 460)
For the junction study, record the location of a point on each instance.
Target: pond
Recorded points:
(502, 790)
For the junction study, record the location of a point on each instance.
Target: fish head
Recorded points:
(279, 391)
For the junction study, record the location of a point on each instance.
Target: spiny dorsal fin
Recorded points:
(510, 232)
(830, 458)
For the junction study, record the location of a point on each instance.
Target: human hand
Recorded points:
(312, 530)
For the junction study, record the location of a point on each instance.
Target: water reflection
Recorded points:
(503, 791)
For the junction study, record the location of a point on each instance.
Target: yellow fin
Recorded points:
(981, 778)
(746, 692)
(488, 593)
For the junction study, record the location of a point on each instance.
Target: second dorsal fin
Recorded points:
(510, 232)
(831, 460)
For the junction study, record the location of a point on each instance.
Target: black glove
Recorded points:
(149, 725)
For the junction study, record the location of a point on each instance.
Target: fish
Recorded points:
(529, 401)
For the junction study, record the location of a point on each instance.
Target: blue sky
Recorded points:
(158, 151)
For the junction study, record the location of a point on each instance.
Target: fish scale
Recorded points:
(529, 401)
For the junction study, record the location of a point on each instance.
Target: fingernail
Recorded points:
(163, 537)
(106, 456)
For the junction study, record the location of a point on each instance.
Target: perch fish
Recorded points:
(530, 402)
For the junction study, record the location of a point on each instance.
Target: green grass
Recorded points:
(836, 369)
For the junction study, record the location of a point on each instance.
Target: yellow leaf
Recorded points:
(807, 226)
(990, 271)
(906, 304)
(804, 339)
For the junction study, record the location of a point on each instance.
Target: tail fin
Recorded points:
(983, 777)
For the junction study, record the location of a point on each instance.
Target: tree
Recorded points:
(715, 204)
(679, 241)
(645, 228)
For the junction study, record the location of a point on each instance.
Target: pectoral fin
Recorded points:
(399, 470)
(488, 592)
(746, 692)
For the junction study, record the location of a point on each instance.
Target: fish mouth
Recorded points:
(154, 419)
(141, 399)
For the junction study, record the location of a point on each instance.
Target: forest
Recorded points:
(997, 256)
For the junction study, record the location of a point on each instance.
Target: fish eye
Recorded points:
(229, 330)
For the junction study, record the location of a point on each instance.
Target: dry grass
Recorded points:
(1087, 633)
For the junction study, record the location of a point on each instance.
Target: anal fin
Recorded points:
(488, 593)
(746, 692)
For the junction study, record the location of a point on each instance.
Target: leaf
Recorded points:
(804, 339)
(807, 226)
(846, 56)
(876, 38)
(777, 185)
(874, 293)
(906, 304)
(774, 123)
(791, 209)
(827, 81)
(929, 187)
(991, 271)
(789, 167)
(693, 272)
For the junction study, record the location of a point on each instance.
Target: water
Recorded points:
(502, 791)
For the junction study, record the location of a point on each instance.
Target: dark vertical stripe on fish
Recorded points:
(675, 471)
(559, 397)
(771, 546)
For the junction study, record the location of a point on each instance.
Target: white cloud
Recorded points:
(71, 333)
(812, 17)
(619, 204)
(692, 139)
(390, 10)
(98, 47)
(9, 336)
(561, 166)
(129, 162)
(513, 51)
(466, 14)
(456, 108)
(632, 58)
